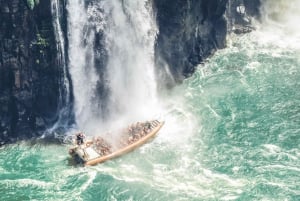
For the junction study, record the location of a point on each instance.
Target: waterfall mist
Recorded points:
(280, 18)
(81, 62)
(130, 35)
(111, 50)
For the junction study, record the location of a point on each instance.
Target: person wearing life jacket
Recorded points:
(80, 138)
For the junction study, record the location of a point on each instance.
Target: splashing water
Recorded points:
(129, 31)
(130, 39)
(280, 21)
(81, 65)
(243, 145)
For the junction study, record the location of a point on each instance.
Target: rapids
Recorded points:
(243, 106)
(232, 129)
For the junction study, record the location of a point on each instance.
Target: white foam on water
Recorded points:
(279, 26)
(21, 183)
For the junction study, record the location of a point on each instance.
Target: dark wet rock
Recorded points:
(190, 31)
(32, 88)
(29, 72)
(240, 15)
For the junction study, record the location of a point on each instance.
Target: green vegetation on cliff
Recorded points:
(32, 3)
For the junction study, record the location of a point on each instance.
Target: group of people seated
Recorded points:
(130, 135)
(136, 131)
(101, 146)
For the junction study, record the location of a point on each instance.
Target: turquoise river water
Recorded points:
(232, 133)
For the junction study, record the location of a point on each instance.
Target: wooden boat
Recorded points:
(97, 150)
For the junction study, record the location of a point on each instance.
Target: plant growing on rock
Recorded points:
(32, 3)
(40, 44)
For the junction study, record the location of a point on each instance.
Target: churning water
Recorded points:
(232, 133)
(126, 31)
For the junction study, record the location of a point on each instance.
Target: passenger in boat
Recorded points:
(147, 128)
(80, 138)
(143, 133)
(148, 125)
(102, 146)
(123, 141)
(130, 140)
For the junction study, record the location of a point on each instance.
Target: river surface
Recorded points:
(232, 132)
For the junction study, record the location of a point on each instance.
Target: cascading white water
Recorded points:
(64, 89)
(81, 65)
(130, 34)
(129, 31)
(283, 13)
(281, 17)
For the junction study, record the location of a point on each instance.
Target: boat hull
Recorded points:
(87, 147)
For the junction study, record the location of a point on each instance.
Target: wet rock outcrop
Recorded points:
(35, 88)
(192, 30)
(29, 71)
(240, 15)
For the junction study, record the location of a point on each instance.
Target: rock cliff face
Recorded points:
(32, 78)
(29, 71)
(240, 14)
(192, 30)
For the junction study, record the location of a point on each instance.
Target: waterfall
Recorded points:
(64, 86)
(282, 17)
(279, 23)
(81, 65)
(130, 34)
(111, 61)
